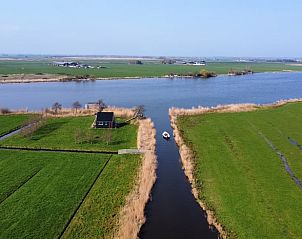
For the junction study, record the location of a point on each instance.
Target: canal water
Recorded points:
(172, 211)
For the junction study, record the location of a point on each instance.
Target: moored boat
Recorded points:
(166, 135)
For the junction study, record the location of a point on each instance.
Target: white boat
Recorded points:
(166, 135)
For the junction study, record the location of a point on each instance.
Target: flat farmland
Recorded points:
(41, 193)
(75, 133)
(107, 195)
(116, 69)
(239, 174)
(11, 122)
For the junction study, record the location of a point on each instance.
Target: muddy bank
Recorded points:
(187, 156)
(132, 216)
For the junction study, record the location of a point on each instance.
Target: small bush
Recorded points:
(32, 125)
(5, 111)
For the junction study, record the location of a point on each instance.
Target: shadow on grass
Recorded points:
(121, 124)
(117, 142)
(45, 130)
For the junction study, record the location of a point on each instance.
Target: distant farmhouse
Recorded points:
(135, 62)
(167, 61)
(92, 106)
(74, 64)
(195, 63)
(104, 120)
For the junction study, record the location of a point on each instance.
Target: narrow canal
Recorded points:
(172, 212)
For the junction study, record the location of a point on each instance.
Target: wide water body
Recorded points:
(172, 212)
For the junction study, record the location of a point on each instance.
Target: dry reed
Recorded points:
(132, 216)
(69, 112)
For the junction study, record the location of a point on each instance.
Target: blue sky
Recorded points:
(260, 28)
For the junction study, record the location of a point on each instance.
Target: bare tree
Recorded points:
(101, 105)
(76, 105)
(140, 111)
(56, 106)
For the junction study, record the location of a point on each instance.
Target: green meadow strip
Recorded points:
(239, 175)
(98, 215)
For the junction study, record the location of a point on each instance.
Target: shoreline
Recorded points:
(132, 215)
(66, 78)
(69, 79)
(187, 155)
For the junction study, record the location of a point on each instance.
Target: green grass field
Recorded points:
(123, 69)
(241, 178)
(44, 193)
(75, 133)
(40, 192)
(106, 197)
(12, 122)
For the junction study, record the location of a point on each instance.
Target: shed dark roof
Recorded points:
(104, 116)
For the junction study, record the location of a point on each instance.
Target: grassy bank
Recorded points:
(75, 133)
(12, 122)
(123, 69)
(240, 177)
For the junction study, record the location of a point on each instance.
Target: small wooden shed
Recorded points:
(105, 120)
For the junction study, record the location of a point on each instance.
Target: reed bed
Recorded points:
(229, 108)
(69, 112)
(132, 214)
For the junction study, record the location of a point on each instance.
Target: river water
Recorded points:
(172, 212)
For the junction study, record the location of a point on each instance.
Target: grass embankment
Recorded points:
(240, 177)
(75, 133)
(123, 69)
(97, 217)
(11, 122)
(41, 191)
